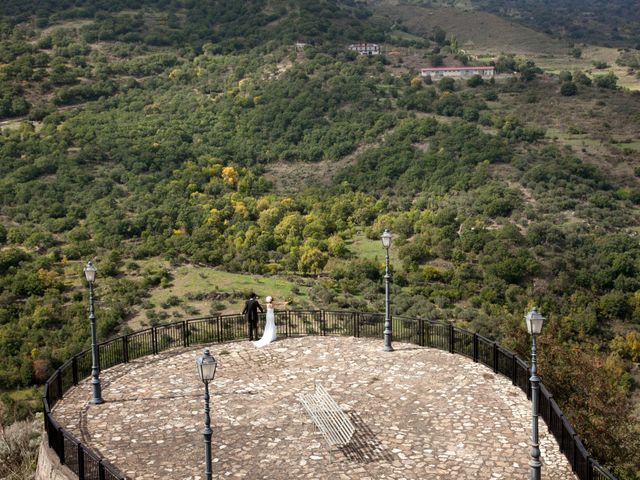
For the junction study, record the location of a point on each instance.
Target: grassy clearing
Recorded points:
(635, 145)
(475, 31)
(573, 139)
(20, 403)
(400, 35)
(363, 247)
(11, 124)
(590, 56)
(199, 291)
(24, 394)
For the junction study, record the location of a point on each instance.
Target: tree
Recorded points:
(439, 35)
(568, 89)
(447, 84)
(565, 76)
(312, 260)
(475, 81)
(581, 78)
(505, 64)
(608, 81)
(528, 70)
(436, 60)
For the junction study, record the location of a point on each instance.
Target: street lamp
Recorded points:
(386, 243)
(206, 365)
(90, 275)
(534, 326)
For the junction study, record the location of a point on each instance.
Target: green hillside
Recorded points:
(609, 22)
(198, 150)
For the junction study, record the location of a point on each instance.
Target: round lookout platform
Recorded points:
(418, 413)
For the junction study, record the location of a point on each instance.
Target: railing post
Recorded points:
(74, 369)
(80, 461)
(154, 340)
(529, 390)
(322, 323)
(60, 447)
(47, 427)
(428, 332)
(514, 366)
(219, 328)
(185, 340)
(287, 326)
(356, 330)
(46, 394)
(476, 352)
(421, 332)
(101, 474)
(451, 339)
(125, 348)
(495, 357)
(59, 384)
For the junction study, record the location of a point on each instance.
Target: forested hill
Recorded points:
(614, 22)
(609, 22)
(244, 137)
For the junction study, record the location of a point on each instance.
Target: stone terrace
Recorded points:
(419, 413)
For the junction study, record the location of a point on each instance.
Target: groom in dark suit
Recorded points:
(250, 312)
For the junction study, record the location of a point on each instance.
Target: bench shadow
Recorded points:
(364, 446)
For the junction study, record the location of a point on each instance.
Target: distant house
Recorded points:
(365, 48)
(458, 72)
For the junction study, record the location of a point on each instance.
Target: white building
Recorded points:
(458, 72)
(365, 48)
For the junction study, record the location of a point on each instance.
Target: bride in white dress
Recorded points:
(269, 334)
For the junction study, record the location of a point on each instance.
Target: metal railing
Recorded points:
(87, 465)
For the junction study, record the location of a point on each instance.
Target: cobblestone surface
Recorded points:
(419, 413)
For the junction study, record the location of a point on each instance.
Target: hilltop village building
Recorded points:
(365, 48)
(458, 72)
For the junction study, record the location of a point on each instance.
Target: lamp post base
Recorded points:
(387, 342)
(534, 470)
(96, 401)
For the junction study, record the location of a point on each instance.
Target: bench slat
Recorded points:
(327, 416)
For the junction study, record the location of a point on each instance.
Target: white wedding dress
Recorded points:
(269, 334)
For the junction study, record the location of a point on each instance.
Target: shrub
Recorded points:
(565, 76)
(449, 105)
(475, 81)
(581, 78)
(609, 81)
(491, 95)
(568, 89)
(19, 444)
(447, 84)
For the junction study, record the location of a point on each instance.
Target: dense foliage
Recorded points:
(151, 134)
(605, 21)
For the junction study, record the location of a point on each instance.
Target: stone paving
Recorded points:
(419, 413)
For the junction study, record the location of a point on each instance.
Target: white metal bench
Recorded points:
(328, 417)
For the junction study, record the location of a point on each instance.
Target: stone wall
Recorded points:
(49, 467)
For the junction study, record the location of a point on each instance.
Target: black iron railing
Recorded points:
(87, 465)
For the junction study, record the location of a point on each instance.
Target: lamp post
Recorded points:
(90, 275)
(386, 243)
(206, 365)
(534, 326)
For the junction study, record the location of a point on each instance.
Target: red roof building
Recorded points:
(458, 72)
